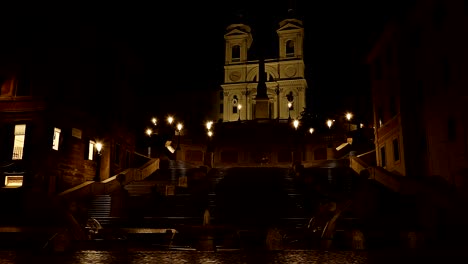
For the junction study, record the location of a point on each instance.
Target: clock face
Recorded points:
(290, 71)
(235, 76)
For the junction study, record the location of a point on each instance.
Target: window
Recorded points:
(234, 109)
(236, 53)
(383, 162)
(91, 148)
(396, 150)
(18, 146)
(290, 48)
(56, 140)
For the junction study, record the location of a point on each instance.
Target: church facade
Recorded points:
(284, 75)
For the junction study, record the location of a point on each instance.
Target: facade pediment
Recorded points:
(235, 32)
(290, 24)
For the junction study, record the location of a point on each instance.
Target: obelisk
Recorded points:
(262, 104)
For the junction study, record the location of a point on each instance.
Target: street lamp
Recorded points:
(239, 106)
(170, 120)
(296, 124)
(149, 132)
(289, 111)
(209, 124)
(329, 123)
(311, 130)
(154, 121)
(295, 142)
(348, 117)
(179, 128)
(97, 177)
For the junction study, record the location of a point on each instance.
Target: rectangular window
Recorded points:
(91, 147)
(396, 150)
(234, 109)
(56, 140)
(383, 162)
(18, 146)
(221, 108)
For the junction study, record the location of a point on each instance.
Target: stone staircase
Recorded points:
(100, 208)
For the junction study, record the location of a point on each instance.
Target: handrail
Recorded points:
(113, 183)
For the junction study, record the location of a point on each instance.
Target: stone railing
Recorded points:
(113, 183)
(379, 174)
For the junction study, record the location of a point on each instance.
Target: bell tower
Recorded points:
(267, 88)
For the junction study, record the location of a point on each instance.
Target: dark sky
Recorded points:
(180, 46)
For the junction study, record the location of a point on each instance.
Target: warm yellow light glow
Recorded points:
(210, 133)
(239, 106)
(149, 131)
(209, 124)
(179, 127)
(98, 147)
(289, 105)
(14, 181)
(170, 120)
(349, 116)
(311, 130)
(154, 120)
(296, 123)
(329, 123)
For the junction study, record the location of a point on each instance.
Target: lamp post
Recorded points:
(289, 111)
(348, 117)
(97, 177)
(170, 120)
(149, 132)
(295, 147)
(209, 147)
(239, 106)
(179, 129)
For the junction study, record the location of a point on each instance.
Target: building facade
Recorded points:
(284, 75)
(57, 106)
(420, 114)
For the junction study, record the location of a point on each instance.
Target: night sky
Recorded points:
(159, 35)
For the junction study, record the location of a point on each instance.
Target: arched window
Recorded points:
(235, 53)
(290, 48)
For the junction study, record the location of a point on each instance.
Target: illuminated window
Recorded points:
(55, 142)
(91, 148)
(20, 132)
(290, 48)
(14, 181)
